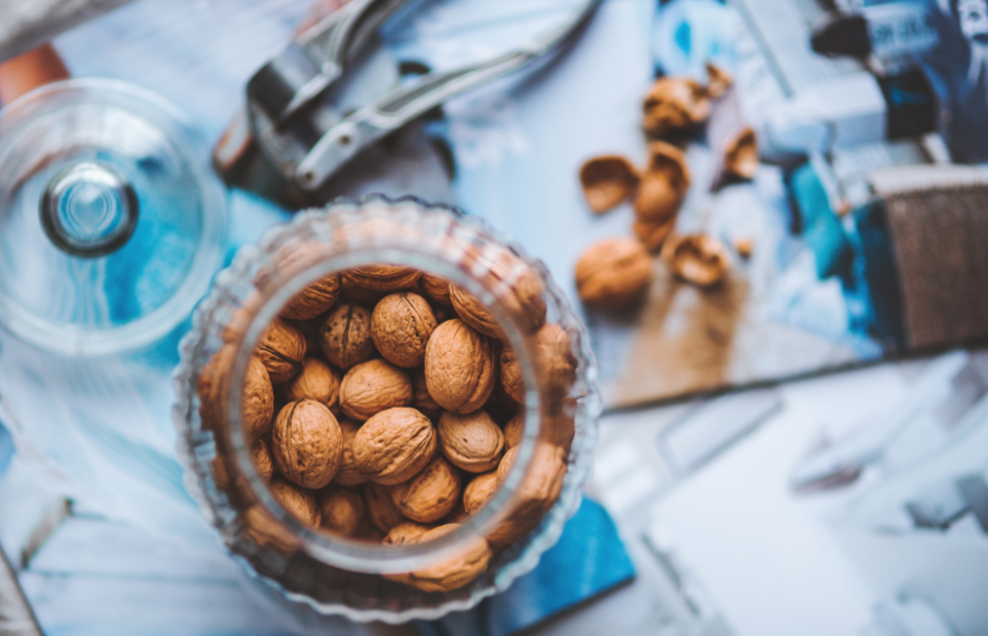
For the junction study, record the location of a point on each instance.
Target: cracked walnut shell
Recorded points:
(699, 259)
(472, 442)
(460, 367)
(400, 327)
(741, 154)
(674, 104)
(345, 337)
(394, 445)
(281, 349)
(613, 273)
(307, 443)
(664, 184)
(431, 494)
(372, 387)
(607, 181)
(653, 234)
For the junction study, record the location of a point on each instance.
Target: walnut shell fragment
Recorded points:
(699, 259)
(281, 349)
(452, 572)
(607, 181)
(744, 247)
(394, 445)
(345, 336)
(460, 367)
(664, 183)
(718, 81)
(741, 154)
(674, 104)
(430, 495)
(383, 277)
(317, 381)
(400, 327)
(372, 387)
(472, 442)
(479, 491)
(341, 509)
(613, 273)
(307, 443)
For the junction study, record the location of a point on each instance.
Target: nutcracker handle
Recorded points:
(16, 616)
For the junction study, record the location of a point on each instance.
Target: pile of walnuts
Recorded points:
(383, 405)
(616, 272)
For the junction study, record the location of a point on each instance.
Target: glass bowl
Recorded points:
(343, 576)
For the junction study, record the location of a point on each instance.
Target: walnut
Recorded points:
(718, 81)
(405, 532)
(559, 428)
(317, 381)
(349, 473)
(307, 443)
(421, 398)
(458, 515)
(257, 397)
(430, 495)
(300, 503)
(354, 293)
(516, 285)
(674, 104)
(460, 367)
(607, 181)
(372, 387)
(510, 375)
(664, 184)
(342, 509)
(653, 234)
(267, 531)
(539, 489)
(257, 400)
(394, 445)
(613, 273)
(514, 430)
(383, 278)
(472, 442)
(400, 327)
(263, 462)
(314, 299)
(345, 336)
(291, 260)
(479, 491)
(453, 572)
(383, 513)
(700, 259)
(555, 364)
(741, 154)
(281, 348)
(436, 288)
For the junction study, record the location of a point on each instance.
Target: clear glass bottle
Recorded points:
(112, 222)
(332, 573)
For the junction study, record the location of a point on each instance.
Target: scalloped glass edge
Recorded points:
(545, 535)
